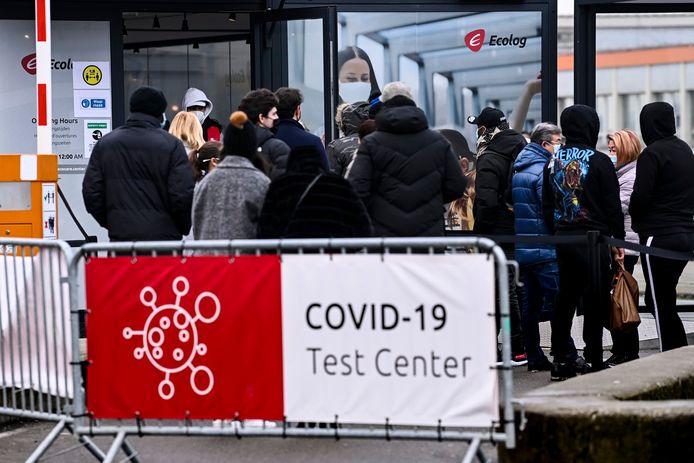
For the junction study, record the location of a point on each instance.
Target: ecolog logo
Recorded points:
(475, 39)
(29, 64)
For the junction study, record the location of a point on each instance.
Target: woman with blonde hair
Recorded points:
(186, 127)
(624, 148)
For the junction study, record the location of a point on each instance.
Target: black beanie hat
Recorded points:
(148, 100)
(239, 136)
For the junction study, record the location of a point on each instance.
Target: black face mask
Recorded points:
(275, 124)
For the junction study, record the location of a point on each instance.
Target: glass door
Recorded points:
(297, 48)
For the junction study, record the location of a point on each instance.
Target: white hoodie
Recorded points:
(196, 97)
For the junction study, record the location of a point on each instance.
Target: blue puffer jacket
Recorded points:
(527, 204)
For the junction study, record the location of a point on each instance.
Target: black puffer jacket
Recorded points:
(405, 173)
(275, 151)
(663, 198)
(493, 214)
(329, 209)
(139, 183)
(341, 151)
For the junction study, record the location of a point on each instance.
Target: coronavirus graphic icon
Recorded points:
(171, 337)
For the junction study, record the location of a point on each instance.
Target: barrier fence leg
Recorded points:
(130, 452)
(117, 443)
(481, 457)
(472, 450)
(47, 442)
(92, 448)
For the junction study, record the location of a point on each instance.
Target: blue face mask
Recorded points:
(162, 124)
(613, 158)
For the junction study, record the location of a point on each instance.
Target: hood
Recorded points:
(263, 134)
(401, 120)
(353, 116)
(196, 97)
(305, 160)
(531, 154)
(657, 122)
(580, 125)
(507, 143)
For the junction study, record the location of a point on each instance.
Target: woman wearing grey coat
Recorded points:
(227, 202)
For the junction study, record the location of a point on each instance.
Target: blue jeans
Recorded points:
(541, 283)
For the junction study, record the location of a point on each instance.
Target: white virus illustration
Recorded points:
(170, 337)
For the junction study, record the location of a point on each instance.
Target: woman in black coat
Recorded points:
(309, 202)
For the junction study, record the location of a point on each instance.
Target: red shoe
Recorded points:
(519, 360)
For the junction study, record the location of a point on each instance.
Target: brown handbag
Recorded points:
(625, 301)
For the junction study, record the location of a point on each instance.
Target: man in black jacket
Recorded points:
(662, 213)
(580, 194)
(139, 183)
(404, 171)
(497, 148)
(261, 107)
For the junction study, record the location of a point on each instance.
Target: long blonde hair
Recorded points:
(627, 145)
(186, 127)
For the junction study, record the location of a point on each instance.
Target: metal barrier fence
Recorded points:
(85, 425)
(35, 333)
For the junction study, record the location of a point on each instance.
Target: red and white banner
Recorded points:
(360, 338)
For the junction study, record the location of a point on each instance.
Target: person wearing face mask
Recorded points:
(356, 76)
(289, 127)
(138, 184)
(624, 148)
(538, 262)
(497, 147)
(261, 107)
(196, 102)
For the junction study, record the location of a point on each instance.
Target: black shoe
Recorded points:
(561, 371)
(580, 366)
(614, 360)
(540, 365)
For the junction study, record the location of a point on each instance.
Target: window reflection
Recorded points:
(432, 52)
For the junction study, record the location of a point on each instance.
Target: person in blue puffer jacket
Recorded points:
(538, 262)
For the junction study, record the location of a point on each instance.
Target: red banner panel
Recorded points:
(199, 338)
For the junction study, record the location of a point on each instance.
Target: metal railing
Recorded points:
(85, 425)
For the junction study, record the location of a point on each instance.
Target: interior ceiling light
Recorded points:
(232, 17)
(125, 29)
(155, 22)
(184, 24)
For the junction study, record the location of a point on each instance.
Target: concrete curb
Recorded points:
(642, 411)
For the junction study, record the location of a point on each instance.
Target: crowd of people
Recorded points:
(265, 176)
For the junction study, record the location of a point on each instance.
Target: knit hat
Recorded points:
(239, 136)
(148, 100)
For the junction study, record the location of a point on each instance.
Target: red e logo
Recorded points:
(475, 39)
(29, 64)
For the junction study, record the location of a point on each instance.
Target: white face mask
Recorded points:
(351, 92)
(556, 148)
(162, 124)
(199, 114)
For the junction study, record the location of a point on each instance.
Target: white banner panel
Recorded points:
(404, 337)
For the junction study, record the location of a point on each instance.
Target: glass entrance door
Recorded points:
(297, 48)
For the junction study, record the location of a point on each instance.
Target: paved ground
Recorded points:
(17, 443)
